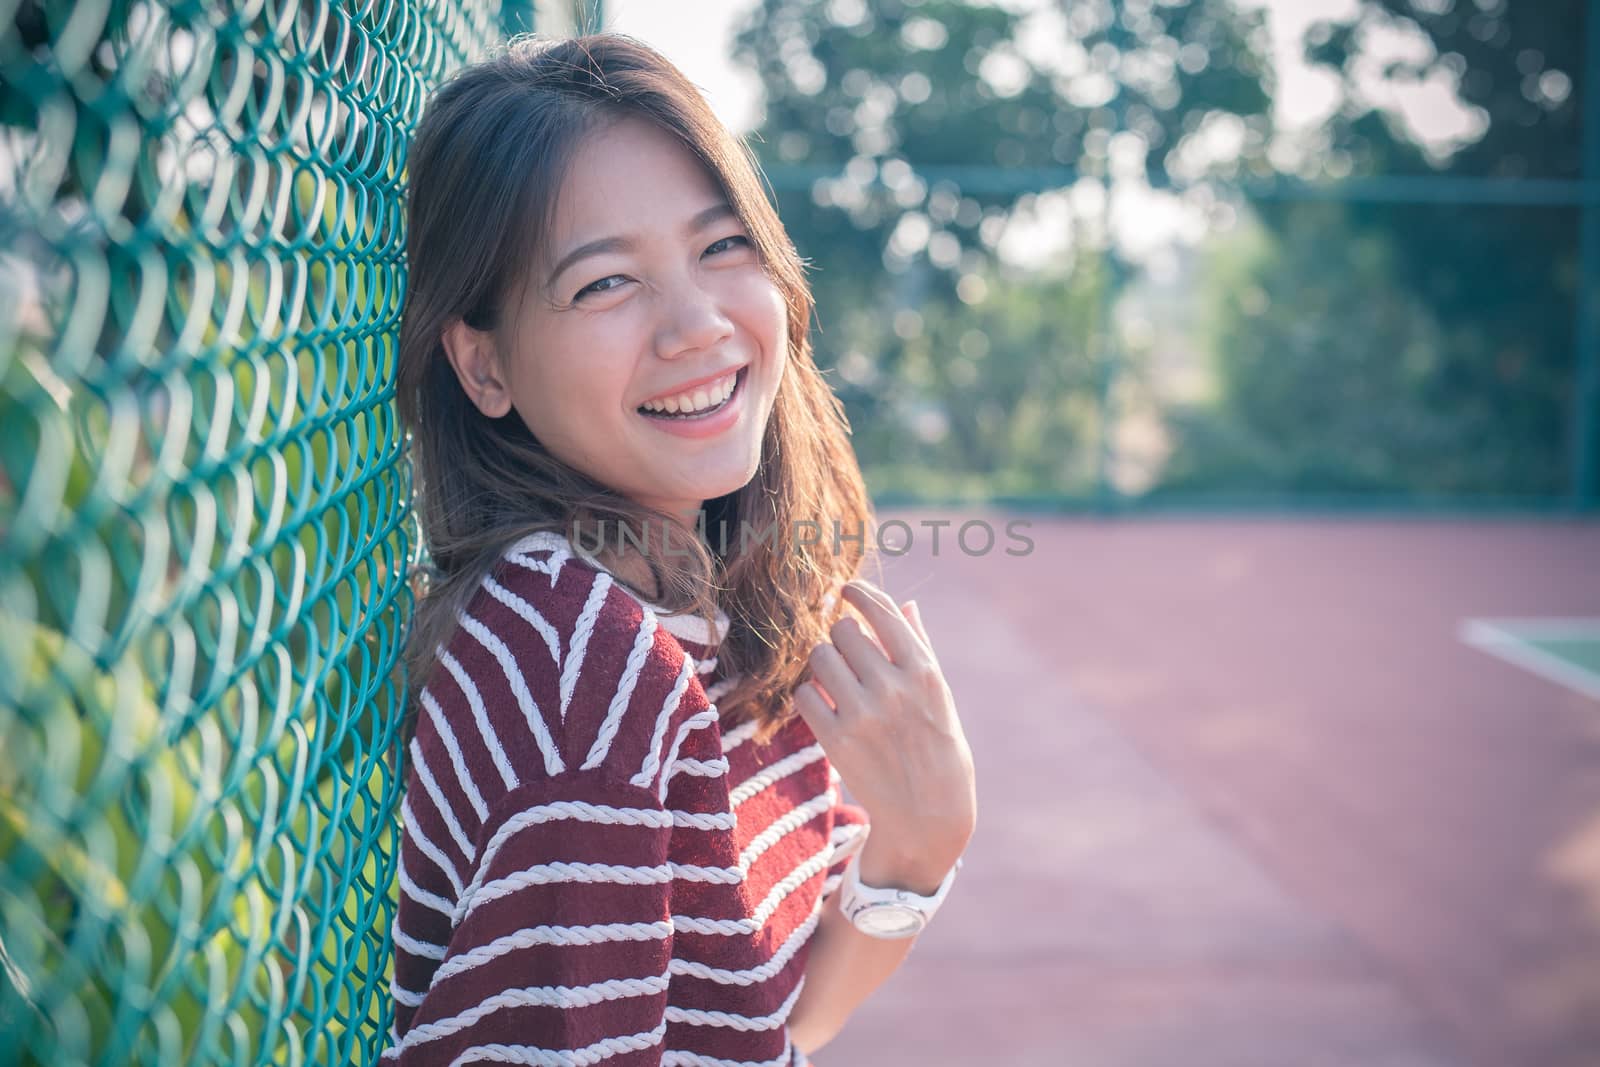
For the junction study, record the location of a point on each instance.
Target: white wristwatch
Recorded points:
(888, 913)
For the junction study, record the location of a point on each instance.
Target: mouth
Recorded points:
(733, 394)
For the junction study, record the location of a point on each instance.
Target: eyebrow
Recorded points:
(622, 244)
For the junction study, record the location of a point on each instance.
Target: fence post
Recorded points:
(516, 16)
(1586, 335)
(588, 16)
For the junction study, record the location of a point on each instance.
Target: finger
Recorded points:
(914, 611)
(830, 669)
(814, 683)
(899, 640)
(864, 655)
(813, 698)
(813, 708)
(909, 610)
(865, 630)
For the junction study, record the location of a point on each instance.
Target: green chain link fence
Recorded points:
(204, 533)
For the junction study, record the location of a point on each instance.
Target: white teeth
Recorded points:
(699, 400)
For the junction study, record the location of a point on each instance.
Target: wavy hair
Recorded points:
(484, 167)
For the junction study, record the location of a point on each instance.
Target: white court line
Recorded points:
(1506, 638)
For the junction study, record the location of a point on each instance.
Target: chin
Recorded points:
(732, 484)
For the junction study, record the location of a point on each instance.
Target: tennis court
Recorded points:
(1248, 797)
(1565, 651)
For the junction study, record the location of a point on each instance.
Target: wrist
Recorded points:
(883, 866)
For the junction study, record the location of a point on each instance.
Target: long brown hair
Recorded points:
(484, 167)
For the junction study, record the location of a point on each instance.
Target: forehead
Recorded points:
(630, 175)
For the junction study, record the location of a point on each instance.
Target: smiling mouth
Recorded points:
(738, 384)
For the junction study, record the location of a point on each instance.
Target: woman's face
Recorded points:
(649, 289)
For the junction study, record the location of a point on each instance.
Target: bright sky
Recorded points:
(700, 46)
(1144, 222)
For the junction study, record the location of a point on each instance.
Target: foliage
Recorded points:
(912, 132)
(1423, 348)
(1419, 343)
(203, 524)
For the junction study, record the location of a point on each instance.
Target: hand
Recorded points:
(880, 708)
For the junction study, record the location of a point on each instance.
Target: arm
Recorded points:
(540, 963)
(881, 709)
(846, 966)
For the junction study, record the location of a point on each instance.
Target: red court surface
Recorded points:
(1247, 799)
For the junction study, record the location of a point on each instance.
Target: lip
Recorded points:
(690, 387)
(709, 425)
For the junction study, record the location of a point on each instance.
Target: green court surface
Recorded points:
(1565, 651)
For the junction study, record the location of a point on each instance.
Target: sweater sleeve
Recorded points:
(849, 833)
(563, 939)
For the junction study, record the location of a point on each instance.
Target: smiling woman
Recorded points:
(676, 302)
(622, 825)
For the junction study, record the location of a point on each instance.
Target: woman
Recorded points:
(635, 689)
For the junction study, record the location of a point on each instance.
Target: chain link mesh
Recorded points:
(204, 532)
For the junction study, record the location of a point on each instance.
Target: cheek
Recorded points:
(769, 318)
(578, 371)
(773, 334)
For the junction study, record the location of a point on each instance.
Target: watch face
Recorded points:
(889, 920)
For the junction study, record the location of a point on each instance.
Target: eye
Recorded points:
(602, 286)
(599, 286)
(718, 246)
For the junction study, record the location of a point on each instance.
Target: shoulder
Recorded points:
(551, 571)
(560, 669)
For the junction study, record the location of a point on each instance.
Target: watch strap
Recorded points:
(856, 897)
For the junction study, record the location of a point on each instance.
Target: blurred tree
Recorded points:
(1519, 67)
(1332, 377)
(903, 136)
(1327, 384)
(993, 398)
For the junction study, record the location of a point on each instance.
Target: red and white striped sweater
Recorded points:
(591, 869)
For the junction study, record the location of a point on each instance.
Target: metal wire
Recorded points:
(204, 534)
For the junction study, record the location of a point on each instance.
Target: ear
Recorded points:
(477, 366)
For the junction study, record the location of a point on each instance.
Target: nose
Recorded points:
(692, 319)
